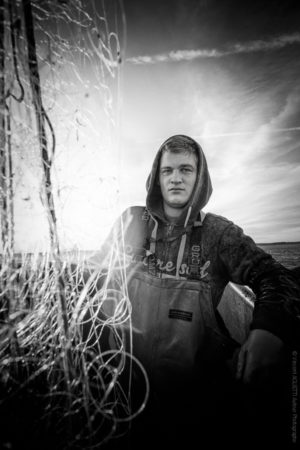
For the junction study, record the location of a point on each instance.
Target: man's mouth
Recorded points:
(175, 190)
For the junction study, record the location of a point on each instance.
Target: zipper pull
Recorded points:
(170, 227)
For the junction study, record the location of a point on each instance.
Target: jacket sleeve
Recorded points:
(277, 305)
(94, 269)
(116, 249)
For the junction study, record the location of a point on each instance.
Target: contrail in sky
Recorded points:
(221, 135)
(248, 47)
(244, 133)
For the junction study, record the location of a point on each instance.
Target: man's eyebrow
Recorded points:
(187, 165)
(181, 166)
(165, 167)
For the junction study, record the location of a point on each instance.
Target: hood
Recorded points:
(202, 190)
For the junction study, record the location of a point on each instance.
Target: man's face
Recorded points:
(177, 177)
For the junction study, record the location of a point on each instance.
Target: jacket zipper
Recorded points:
(170, 228)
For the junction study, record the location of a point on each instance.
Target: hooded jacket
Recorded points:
(209, 248)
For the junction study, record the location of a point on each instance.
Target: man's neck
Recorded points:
(171, 219)
(172, 214)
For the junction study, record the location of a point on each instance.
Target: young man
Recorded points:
(178, 262)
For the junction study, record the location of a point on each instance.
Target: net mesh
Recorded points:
(60, 114)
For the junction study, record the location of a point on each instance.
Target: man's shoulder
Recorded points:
(216, 220)
(136, 212)
(215, 226)
(135, 225)
(135, 216)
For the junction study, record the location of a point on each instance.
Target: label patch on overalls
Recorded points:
(179, 314)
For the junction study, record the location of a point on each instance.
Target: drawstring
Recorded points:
(202, 216)
(180, 254)
(182, 244)
(153, 237)
(187, 216)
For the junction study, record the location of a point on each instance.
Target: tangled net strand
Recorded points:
(66, 363)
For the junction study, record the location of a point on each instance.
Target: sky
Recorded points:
(224, 72)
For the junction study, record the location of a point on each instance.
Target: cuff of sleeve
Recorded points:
(276, 321)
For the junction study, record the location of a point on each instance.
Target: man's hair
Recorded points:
(180, 144)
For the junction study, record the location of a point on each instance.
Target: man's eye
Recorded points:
(186, 170)
(166, 171)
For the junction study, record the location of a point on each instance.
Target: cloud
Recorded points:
(249, 47)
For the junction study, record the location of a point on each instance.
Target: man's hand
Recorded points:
(260, 359)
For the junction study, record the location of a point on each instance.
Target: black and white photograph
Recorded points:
(150, 224)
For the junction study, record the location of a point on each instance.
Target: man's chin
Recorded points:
(177, 205)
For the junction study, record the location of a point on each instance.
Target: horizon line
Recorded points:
(98, 248)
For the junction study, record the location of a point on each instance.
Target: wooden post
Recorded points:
(3, 162)
(46, 160)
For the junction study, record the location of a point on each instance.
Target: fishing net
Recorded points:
(60, 111)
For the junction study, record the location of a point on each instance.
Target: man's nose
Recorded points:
(176, 177)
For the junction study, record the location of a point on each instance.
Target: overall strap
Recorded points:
(198, 267)
(196, 263)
